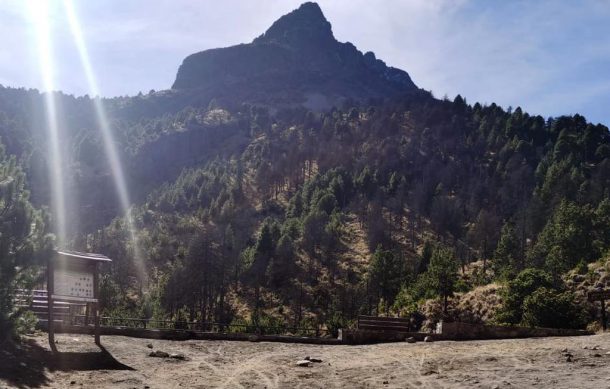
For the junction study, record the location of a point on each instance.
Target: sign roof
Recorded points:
(86, 256)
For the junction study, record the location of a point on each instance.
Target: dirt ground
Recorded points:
(570, 362)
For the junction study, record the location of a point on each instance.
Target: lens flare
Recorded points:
(40, 14)
(107, 137)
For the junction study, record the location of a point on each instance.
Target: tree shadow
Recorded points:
(99, 360)
(25, 365)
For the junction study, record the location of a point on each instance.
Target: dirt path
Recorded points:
(524, 363)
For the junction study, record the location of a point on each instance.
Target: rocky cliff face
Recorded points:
(296, 61)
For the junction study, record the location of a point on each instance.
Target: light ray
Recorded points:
(39, 12)
(107, 137)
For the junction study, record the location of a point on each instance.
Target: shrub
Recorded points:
(26, 323)
(549, 308)
(405, 303)
(526, 283)
(335, 322)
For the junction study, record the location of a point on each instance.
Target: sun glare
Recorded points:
(40, 14)
(108, 139)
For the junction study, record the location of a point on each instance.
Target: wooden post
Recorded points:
(50, 291)
(87, 313)
(96, 309)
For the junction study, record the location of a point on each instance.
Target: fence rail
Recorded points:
(207, 326)
(129, 322)
(36, 301)
(375, 323)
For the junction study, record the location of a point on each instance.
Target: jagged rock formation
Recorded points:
(297, 60)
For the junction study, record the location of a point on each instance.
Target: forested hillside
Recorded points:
(292, 213)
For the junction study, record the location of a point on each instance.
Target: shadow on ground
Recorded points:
(24, 365)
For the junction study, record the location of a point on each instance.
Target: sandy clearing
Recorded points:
(522, 363)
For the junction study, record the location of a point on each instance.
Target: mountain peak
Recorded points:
(296, 61)
(305, 26)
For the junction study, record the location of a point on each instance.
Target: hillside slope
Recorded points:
(253, 204)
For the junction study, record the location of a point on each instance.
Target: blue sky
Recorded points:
(550, 57)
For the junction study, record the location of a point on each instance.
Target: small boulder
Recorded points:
(410, 340)
(158, 354)
(179, 356)
(428, 339)
(149, 345)
(303, 363)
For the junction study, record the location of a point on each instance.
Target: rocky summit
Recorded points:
(296, 61)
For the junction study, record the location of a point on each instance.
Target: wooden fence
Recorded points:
(375, 323)
(74, 314)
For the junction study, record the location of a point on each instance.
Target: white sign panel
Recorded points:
(73, 283)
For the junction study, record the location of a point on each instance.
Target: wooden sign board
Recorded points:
(74, 283)
(73, 276)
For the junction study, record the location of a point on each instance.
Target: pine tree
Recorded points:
(442, 274)
(24, 241)
(565, 240)
(386, 274)
(505, 259)
(601, 226)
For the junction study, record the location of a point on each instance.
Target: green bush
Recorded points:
(238, 325)
(271, 325)
(534, 299)
(262, 323)
(335, 322)
(405, 302)
(549, 308)
(513, 296)
(461, 286)
(26, 323)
